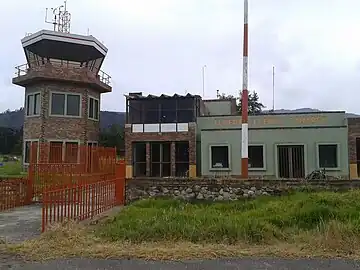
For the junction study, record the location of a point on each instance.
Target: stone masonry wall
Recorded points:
(226, 190)
(353, 133)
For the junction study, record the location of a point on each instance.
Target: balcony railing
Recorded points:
(37, 65)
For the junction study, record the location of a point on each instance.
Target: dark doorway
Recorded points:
(139, 159)
(160, 160)
(291, 163)
(182, 159)
(358, 155)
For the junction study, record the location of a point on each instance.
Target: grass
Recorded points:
(11, 169)
(302, 224)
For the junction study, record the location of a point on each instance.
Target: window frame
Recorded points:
(88, 107)
(264, 156)
(64, 148)
(338, 167)
(27, 104)
(210, 157)
(65, 105)
(24, 150)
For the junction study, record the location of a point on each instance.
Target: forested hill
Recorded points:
(15, 119)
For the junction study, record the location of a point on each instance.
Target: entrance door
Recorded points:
(358, 155)
(291, 163)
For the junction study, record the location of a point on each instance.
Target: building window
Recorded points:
(64, 151)
(328, 156)
(33, 104)
(71, 152)
(92, 144)
(220, 157)
(28, 146)
(160, 159)
(94, 108)
(256, 157)
(63, 104)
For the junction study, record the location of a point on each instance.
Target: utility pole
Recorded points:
(273, 88)
(245, 101)
(203, 81)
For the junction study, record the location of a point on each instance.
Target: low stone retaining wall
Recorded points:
(225, 190)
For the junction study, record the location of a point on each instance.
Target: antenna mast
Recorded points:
(273, 88)
(244, 101)
(61, 18)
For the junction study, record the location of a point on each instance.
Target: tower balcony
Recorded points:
(62, 70)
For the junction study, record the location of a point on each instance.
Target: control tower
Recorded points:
(63, 83)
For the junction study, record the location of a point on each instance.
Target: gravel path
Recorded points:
(243, 264)
(20, 224)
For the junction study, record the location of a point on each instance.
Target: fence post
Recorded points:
(120, 183)
(31, 171)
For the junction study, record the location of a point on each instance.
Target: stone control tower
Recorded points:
(63, 83)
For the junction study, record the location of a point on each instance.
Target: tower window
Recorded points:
(94, 108)
(64, 104)
(32, 104)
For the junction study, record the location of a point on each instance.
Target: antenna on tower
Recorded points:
(61, 18)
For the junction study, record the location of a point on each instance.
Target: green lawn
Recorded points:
(11, 169)
(297, 217)
(299, 225)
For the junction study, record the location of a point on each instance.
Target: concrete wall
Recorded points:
(220, 106)
(270, 131)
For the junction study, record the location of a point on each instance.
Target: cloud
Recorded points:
(160, 46)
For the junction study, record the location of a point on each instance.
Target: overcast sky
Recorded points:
(160, 46)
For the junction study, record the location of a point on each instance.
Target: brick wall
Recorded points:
(62, 73)
(189, 136)
(47, 127)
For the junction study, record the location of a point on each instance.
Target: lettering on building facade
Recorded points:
(275, 121)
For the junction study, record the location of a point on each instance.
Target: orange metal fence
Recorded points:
(59, 164)
(72, 181)
(13, 193)
(81, 195)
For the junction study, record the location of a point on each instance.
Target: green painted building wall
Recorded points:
(270, 131)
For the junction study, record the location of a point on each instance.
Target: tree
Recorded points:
(113, 137)
(254, 105)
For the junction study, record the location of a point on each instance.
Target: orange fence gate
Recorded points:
(75, 182)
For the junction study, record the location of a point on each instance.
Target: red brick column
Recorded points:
(173, 159)
(148, 156)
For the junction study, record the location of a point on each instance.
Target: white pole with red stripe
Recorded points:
(244, 101)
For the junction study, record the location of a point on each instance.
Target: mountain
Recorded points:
(14, 119)
(307, 110)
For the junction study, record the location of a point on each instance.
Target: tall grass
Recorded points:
(297, 217)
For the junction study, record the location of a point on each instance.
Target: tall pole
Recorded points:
(273, 88)
(203, 81)
(245, 101)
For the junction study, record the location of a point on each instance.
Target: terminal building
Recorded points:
(185, 136)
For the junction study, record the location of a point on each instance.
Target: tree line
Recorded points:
(11, 140)
(254, 104)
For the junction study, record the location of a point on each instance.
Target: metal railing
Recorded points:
(36, 64)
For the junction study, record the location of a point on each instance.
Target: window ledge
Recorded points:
(93, 119)
(220, 169)
(65, 116)
(257, 169)
(330, 169)
(32, 116)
